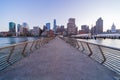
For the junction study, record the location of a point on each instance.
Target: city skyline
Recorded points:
(38, 12)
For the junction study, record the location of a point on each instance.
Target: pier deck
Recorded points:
(57, 60)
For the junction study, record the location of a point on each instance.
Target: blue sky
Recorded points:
(39, 12)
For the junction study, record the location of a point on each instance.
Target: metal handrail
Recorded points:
(110, 61)
(13, 56)
(104, 58)
(100, 45)
(13, 47)
(89, 50)
(23, 52)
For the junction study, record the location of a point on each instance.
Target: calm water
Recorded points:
(6, 41)
(108, 42)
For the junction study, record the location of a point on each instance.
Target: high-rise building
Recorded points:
(92, 30)
(12, 28)
(99, 26)
(18, 27)
(85, 28)
(48, 26)
(44, 28)
(25, 29)
(60, 29)
(71, 27)
(54, 26)
(36, 31)
(25, 25)
(18, 30)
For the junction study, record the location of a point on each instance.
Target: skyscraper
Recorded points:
(25, 25)
(85, 28)
(25, 29)
(48, 26)
(36, 31)
(99, 26)
(44, 28)
(54, 25)
(71, 27)
(18, 27)
(12, 28)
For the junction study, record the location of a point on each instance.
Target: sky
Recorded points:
(40, 12)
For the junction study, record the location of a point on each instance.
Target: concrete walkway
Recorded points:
(57, 60)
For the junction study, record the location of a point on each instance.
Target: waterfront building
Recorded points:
(48, 26)
(92, 30)
(12, 28)
(25, 25)
(5, 34)
(44, 28)
(18, 27)
(36, 31)
(54, 26)
(85, 28)
(25, 29)
(71, 27)
(99, 26)
(50, 33)
(60, 29)
(117, 30)
(113, 28)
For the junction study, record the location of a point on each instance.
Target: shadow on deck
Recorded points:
(57, 60)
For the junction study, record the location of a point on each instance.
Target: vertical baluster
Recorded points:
(9, 56)
(104, 58)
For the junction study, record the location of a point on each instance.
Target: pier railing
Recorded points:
(14, 53)
(105, 55)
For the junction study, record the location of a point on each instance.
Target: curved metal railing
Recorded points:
(14, 53)
(108, 56)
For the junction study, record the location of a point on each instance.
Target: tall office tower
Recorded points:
(48, 26)
(99, 26)
(12, 28)
(71, 27)
(18, 27)
(54, 26)
(25, 29)
(44, 28)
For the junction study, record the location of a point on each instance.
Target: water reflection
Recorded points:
(108, 42)
(13, 40)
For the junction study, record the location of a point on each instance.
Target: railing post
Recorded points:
(23, 52)
(31, 46)
(42, 42)
(36, 44)
(9, 56)
(104, 58)
(89, 50)
(82, 46)
(77, 44)
(39, 42)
